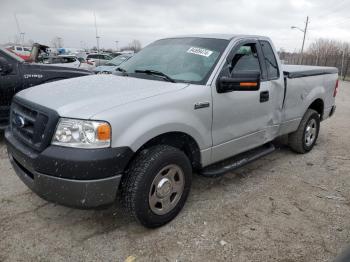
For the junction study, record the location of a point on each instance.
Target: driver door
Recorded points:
(240, 117)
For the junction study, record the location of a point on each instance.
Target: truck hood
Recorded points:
(86, 96)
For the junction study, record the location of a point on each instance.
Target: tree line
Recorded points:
(322, 52)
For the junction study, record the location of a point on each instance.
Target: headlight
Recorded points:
(82, 133)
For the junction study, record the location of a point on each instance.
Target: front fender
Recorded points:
(152, 125)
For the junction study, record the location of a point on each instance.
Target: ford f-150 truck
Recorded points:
(203, 103)
(17, 74)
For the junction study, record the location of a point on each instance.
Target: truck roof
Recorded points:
(222, 36)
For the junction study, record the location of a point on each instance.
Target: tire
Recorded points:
(298, 141)
(152, 176)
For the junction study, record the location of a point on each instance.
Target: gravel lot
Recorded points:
(283, 207)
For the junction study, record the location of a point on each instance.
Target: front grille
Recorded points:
(32, 124)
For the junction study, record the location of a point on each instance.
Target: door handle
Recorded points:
(200, 105)
(264, 96)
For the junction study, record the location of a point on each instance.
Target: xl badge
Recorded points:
(19, 121)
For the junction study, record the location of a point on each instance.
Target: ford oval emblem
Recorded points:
(20, 121)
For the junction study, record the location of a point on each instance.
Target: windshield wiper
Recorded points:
(155, 73)
(122, 70)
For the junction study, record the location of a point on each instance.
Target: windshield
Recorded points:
(118, 60)
(189, 59)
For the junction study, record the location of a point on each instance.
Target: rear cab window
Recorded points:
(270, 60)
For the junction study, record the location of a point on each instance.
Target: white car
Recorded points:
(99, 59)
(71, 61)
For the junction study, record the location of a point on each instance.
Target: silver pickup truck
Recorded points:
(202, 103)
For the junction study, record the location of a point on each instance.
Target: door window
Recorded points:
(92, 56)
(69, 59)
(245, 59)
(105, 57)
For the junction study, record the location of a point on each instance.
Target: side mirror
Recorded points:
(242, 81)
(5, 66)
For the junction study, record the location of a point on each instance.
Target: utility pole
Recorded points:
(22, 38)
(342, 64)
(59, 42)
(304, 37)
(302, 47)
(20, 33)
(116, 45)
(97, 37)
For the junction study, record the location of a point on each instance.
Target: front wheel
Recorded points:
(156, 186)
(304, 139)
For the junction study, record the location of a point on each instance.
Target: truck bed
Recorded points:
(296, 71)
(303, 85)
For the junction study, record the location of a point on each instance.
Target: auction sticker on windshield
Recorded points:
(199, 51)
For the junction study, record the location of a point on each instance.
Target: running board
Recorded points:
(237, 161)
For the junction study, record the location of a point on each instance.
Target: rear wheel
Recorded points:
(304, 139)
(156, 186)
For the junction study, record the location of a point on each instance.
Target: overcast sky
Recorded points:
(73, 20)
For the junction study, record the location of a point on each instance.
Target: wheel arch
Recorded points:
(318, 106)
(180, 140)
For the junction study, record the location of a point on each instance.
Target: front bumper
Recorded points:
(79, 178)
(69, 192)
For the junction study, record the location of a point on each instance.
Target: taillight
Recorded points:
(336, 88)
(90, 63)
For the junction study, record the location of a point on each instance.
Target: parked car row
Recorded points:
(81, 59)
(207, 104)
